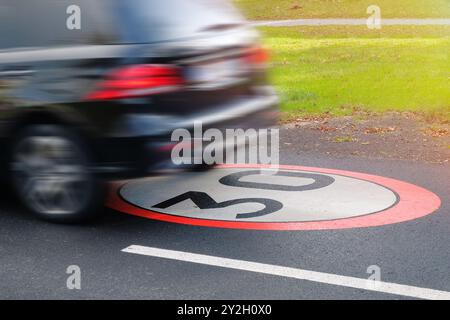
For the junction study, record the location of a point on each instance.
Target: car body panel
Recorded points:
(51, 79)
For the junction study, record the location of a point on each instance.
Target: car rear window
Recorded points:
(43, 23)
(162, 20)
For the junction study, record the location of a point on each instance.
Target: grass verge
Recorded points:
(340, 70)
(294, 9)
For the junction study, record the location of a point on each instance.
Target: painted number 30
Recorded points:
(205, 201)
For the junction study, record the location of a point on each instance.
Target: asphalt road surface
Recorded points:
(35, 255)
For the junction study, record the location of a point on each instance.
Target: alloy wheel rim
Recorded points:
(51, 175)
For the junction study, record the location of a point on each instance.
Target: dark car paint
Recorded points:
(50, 84)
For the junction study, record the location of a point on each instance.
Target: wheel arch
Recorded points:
(44, 116)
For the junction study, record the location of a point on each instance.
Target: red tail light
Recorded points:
(257, 57)
(136, 81)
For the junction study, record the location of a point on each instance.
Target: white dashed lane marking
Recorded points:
(320, 277)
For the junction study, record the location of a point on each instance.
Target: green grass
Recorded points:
(340, 69)
(334, 70)
(291, 9)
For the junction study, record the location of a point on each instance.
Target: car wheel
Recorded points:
(51, 173)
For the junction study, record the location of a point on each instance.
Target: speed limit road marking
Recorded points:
(257, 197)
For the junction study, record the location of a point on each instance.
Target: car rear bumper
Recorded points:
(141, 144)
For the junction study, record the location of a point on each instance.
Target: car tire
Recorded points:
(50, 170)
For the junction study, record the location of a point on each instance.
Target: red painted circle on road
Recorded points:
(414, 202)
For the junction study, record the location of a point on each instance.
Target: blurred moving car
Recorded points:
(92, 92)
